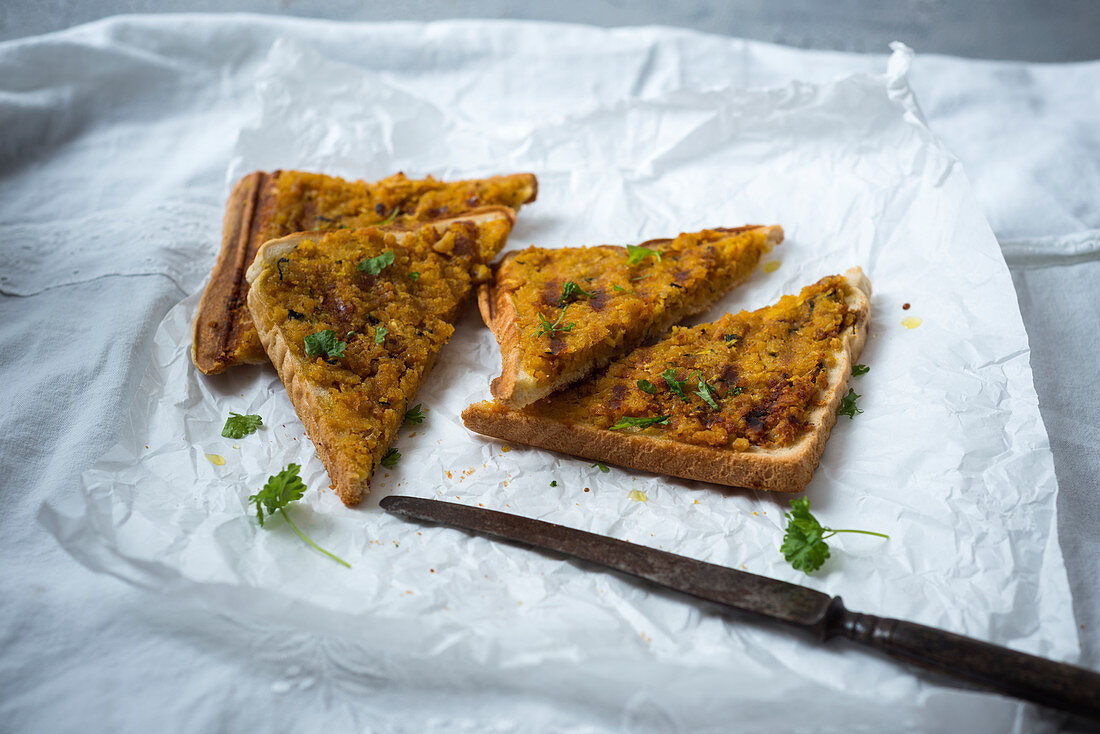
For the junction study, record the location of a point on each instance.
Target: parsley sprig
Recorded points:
(239, 426)
(375, 265)
(628, 422)
(414, 416)
(571, 292)
(676, 386)
(280, 490)
(636, 253)
(804, 544)
(848, 405)
(325, 344)
(390, 458)
(545, 327)
(706, 392)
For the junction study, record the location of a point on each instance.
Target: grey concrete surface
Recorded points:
(1023, 30)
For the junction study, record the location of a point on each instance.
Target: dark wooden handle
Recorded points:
(1059, 685)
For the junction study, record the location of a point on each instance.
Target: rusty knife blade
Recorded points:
(741, 590)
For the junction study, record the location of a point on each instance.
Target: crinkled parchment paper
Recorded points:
(949, 457)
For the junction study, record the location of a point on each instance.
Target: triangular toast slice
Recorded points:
(266, 206)
(560, 314)
(353, 320)
(746, 401)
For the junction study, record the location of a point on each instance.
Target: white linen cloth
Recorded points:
(125, 128)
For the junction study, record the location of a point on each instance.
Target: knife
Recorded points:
(1017, 674)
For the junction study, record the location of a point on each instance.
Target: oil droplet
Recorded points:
(911, 322)
(637, 495)
(215, 459)
(771, 266)
(505, 448)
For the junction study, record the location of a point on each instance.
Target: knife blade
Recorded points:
(1046, 682)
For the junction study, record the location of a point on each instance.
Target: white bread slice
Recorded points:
(785, 468)
(623, 312)
(393, 325)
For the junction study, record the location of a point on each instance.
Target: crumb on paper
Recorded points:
(215, 459)
(905, 307)
(911, 322)
(505, 448)
(586, 489)
(638, 495)
(771, 266)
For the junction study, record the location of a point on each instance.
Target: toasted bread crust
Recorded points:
(498, 310)
(312, 402)
(788, 469)
(223, 333)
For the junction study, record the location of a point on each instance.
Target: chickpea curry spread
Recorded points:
(363, 314)
(574, 306)
(746, 380)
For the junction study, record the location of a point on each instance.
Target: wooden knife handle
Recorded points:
(1046, 682)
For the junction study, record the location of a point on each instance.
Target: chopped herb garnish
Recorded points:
(390, 458)
(280, 490)
(325, 344)
(848, 404)
(570, 292)
(706, 392)
(545, 327)
(553, 483)
(647, 386)
(379, 334)
(676, 386)
(804, 544)
(738, 390)
(636, 253)
(601, 467)
(860, 369)
(239, 426)
(628, 422)
(375, 265)
(619, 288)
(389, 219)
(414, 276)
(414, 416)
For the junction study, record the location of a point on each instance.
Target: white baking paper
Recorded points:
(949, 456)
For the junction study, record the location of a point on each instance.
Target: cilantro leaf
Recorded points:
(239, 426)
(325, 344)
(379, 334)
(676, 386)
(706, 392)
(280, 490)
(570, 292)
(375, 265)
(554, 483)
(602, 467)
(860, 369)
(647, 386)
(804, 545)
(414, 276)
(636, 253)
(628, 422)
(848, 404)
(390, 458)
(414, 416)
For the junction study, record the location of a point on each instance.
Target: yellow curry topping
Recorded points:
(305, 202)
(366, 313)
(575, 302)
(746, 380)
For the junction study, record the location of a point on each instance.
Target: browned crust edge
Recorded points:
(498, 311)
(784, 470)
(214, 325)
(308, 400)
